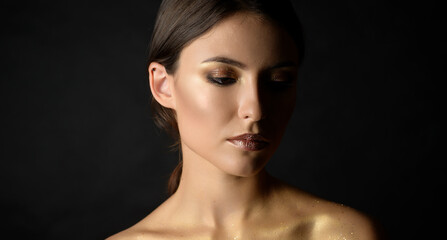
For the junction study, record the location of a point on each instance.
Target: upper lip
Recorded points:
(250, 137)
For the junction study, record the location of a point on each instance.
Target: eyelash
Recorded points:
(225, 81)
(221, 81)
(279, 85)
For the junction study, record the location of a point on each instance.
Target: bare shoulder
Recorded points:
(146, 229)
(329, 220)
(335, 221)
(129, 234)
(135, 232)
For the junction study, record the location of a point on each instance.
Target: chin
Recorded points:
(244, 166)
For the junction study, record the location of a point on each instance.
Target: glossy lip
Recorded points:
(249, 142)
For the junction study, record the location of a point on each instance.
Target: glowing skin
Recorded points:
(240, 77)
(209, 114)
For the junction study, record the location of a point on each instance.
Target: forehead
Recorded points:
(245, 37)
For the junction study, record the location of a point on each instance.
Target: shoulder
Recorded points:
(124, 235)
(335, 221)
(329, 220)
(138, 232)
(145, 229)
(134, 233)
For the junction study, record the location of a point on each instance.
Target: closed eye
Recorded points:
(279, 85)
(279, 80)
(221, 81)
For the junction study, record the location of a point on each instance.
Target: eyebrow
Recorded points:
(238, 64)
(283, 65)
(226, 61)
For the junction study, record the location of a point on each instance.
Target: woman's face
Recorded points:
(238, 78)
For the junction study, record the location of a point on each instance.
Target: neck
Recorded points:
(215, 198)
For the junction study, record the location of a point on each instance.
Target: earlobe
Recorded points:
(161, 83)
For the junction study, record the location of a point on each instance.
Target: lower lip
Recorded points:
(248, 145)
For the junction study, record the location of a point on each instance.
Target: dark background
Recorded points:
(81, 158)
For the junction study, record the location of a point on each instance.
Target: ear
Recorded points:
(161, 84)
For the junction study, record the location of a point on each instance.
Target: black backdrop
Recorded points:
(81, 158)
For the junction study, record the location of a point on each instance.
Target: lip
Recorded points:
(249, 142)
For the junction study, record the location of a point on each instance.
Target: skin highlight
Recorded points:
(240, 77)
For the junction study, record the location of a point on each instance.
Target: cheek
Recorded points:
(202, 110)
(280, 109)
(286, 105)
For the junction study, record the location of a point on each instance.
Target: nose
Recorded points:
(249, 102)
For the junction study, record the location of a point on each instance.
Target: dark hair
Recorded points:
(179, 22)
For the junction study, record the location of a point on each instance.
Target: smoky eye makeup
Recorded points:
(222, 76)
(282, 77)
(279, 80)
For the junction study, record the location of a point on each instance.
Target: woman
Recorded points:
(223, 78)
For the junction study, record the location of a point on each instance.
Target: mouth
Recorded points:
(249, 142)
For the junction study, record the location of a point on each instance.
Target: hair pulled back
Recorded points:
(179, 22)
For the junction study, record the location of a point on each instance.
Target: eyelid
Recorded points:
(221, 81)
(277, 77)
(222, 76)
(223, 72)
